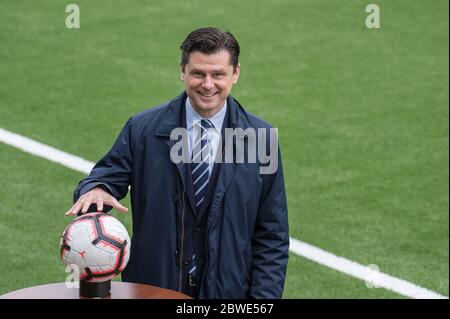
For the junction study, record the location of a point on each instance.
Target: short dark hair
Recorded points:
(210, 40)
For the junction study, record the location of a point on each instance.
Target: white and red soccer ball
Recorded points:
(98, 244)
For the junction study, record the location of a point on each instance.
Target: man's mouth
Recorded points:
(207, 94)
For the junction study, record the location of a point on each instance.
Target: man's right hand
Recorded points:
(95, 196)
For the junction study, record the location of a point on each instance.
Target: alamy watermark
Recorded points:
(73, 279)
(73, 19)
(372, 278)
(373, 19)
(241, 146)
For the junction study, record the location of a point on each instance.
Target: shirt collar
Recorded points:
(193, 117)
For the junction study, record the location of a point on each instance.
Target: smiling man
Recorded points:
(205, 228)
(209, 77)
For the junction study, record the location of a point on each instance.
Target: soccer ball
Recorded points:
(98, 244)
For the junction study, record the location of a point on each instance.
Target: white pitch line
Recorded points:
(351, 268)
(52, 154)
(370, 276)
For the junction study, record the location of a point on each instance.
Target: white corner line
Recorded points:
(298, 247)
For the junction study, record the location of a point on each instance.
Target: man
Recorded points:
(207, 228)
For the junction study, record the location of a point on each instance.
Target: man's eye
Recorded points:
(218, 75)
(197, 74)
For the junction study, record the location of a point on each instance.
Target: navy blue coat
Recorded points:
(247, 223)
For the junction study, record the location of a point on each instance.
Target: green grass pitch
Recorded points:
(362, 117)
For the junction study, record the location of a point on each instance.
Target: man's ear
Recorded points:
(236, 73)
(182, 68)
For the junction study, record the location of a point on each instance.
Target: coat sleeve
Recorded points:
(270, 243)
(113, 171)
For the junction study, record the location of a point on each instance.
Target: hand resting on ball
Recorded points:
(95, 196)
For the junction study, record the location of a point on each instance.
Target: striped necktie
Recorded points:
(200, 162)
(200, 178)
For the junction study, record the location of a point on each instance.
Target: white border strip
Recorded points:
(351, 268)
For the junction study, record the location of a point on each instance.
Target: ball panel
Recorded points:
(113, 228)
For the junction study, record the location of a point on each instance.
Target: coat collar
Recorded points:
(172, 117)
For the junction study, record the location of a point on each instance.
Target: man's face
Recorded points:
(208, 79)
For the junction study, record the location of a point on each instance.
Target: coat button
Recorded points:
(197, 229)
(186, 262)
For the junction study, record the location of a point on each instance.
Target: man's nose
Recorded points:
(208, 83)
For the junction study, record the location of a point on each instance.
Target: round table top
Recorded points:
(119, 290)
